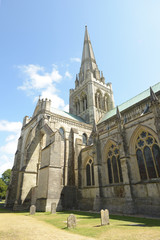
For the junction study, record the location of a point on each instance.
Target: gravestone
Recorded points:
(104, 217)
(71, 221)
(53, 207)
(32, 209)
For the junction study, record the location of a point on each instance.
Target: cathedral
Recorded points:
(96, 156)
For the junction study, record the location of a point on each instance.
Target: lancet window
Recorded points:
(62, 133)
(84, 139)
(77, 103)
(114, 165)
(84, 102)
(106, 108)
(98, 100)
(89, 173)
(148, 156)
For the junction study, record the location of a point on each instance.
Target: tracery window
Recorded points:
(148, 156)
(114, 166)
(89, 173)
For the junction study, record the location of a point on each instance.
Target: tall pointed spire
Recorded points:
(88, 58)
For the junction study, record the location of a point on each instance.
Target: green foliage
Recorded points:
(6, 176)
(3, 189)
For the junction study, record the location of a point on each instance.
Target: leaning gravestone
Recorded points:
(32, 209)
(104, 217)
(53, 208)
(71, 221)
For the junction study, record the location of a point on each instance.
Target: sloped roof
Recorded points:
(140, 97)
(67, 115)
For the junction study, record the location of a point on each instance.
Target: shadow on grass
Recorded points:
(137, 221)
(82, 215)
(3, 209)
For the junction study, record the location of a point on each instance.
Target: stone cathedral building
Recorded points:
(96, 156)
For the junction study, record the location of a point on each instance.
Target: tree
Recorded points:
(6, 176)
(3, 189)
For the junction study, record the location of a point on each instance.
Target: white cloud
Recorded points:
(68, 75)
(10, 126)
(10, 138)
(9, 146)
(37, 78)
(49, 93)
(39, 82)
(5, 166)
(75, 60)
(66, 108)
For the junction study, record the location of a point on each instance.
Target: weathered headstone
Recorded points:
(71, 221)
(32, 209)
(104, 217)
(53, 207)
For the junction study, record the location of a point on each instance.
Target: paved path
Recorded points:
(20, 227)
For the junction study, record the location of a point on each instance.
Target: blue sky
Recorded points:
(41, 45)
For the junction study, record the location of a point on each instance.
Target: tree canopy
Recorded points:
(4, 182)
(3, 189)
(6, 176)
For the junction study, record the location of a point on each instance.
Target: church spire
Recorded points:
(88, 59)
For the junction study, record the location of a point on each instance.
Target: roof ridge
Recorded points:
(134, 99)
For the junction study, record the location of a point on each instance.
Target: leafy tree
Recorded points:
(3, 189)
(6, 176)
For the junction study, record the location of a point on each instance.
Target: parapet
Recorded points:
(26, 120)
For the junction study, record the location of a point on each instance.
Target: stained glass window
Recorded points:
(114, 165)
(148, 156)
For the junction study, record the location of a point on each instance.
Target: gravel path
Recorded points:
(20, 227)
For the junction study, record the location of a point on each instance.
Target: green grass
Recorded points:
(88, 224)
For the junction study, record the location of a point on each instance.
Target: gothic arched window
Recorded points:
(62, 133)
(84, 139)
(113, 164)
(89, 173)
(98, 99)
(84, 101)
(148, 156)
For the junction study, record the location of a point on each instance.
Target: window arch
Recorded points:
(62, 132)
(148, 155)
(84, 139)
(90, 173)
(84, 101)
(98, 99)
(114, 165)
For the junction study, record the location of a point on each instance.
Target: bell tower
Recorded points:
(92, 97)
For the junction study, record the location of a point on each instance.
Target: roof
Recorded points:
(67, 115)
(140, 97)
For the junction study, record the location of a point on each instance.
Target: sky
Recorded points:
(41, 44)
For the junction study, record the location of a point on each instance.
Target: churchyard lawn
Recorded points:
(88, 226)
